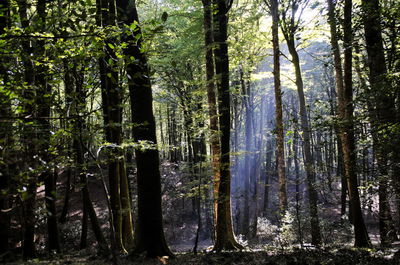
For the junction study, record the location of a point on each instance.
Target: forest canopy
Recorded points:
(244, 132)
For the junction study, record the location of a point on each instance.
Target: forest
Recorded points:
(200, 132)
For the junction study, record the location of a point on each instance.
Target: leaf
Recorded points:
(111, 45)
(133, 26)
(164, 16)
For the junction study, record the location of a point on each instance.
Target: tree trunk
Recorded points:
(280, 155)
(149, 235)
(28, 139)
(225, 239)
(77, 99)
(339, 87)
(112, 96)
(345, 102)
(6, 142)
(212, 104)
(248, 148)
(43, 102)
(298, 176)
(68, 90)
(382, 113)
(306, 129)
(268, 175)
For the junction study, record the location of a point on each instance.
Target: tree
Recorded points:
(225, 239)
(28, 139)
(76, 95)
(290, 25)
(345, 111)
(5, 140)
(339, 87)
(112, 96)
(273, 6)
(382, 111)
(43, 103)
(149, 235)
(211, 96)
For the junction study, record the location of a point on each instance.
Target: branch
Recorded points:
(7, 37)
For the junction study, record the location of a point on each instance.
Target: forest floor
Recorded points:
(343, 256)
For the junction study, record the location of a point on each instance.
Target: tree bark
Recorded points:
(6, 141)
(225, 239)
(306, 129)
(77, 98)
(339, 87)
(149, 235)
(112, 96)
(43, 102)
(248, 124)
(212, 101)
(297, 173)
(382, 112)
(28, 139)
(280, 155)
(345, 102)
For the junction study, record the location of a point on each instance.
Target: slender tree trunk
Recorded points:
(268, 175)
(78, 107)
(43, 102)
(85, 224)
(160, 118)
(289, 27)
(199, 224)
(339, 88)
(248, 148)
(212, 101)
(6, 142)
(112, 96)
(68, 90)
(298, 176)
(28, 138)
(306, 129)
(343, 180)
(345, 101)
(280, 155)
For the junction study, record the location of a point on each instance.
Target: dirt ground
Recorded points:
(344, 256)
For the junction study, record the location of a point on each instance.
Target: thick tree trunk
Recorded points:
(386, 225)
(149, 235)
(225, 238)
(5, 140)
(382, 112)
